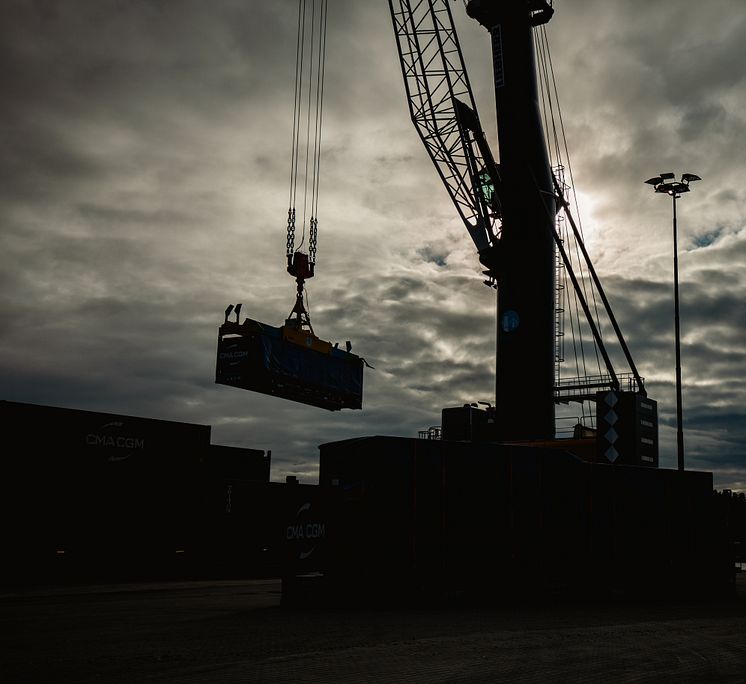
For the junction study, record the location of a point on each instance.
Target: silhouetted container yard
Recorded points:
(436, 516)
(96, 497)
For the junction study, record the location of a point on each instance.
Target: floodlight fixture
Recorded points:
(238, 312)
(228, 312)
(667, 184)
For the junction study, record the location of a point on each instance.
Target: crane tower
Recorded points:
(525, 268)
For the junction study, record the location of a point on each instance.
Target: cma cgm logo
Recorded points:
(306, 532)
(233, 357)
(109, 436)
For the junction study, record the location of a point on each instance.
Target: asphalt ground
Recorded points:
(236, 631)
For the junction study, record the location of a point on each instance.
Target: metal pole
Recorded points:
(679, 419)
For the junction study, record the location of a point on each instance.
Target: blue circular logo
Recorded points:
(510, 320)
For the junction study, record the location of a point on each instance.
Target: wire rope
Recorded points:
(549, 90)
(300, 53)
(308, 120)
(572, 177)
(305, 173)
(321, 73)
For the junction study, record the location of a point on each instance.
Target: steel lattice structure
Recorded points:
(443, 110)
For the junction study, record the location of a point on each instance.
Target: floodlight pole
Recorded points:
(679, 410)
(667, 184)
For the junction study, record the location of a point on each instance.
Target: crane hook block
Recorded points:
(300, 266)
(290, 363)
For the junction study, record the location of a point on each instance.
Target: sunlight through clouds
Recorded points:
(146, 151)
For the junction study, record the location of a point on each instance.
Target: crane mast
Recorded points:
(524, 399)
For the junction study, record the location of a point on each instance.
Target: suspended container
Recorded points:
(288, 362)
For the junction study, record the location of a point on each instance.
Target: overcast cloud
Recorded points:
(145, 164)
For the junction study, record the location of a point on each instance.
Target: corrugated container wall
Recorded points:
(453, 515)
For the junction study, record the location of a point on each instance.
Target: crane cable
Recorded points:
(557, 136)
(310, 67)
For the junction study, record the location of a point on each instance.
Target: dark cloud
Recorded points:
(428, 253)
(707, 239)
(146, 150)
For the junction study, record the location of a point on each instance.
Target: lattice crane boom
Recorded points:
(442, 108)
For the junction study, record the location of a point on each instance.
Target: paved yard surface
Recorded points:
(229, 632)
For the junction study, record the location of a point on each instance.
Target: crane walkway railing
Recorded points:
(585, 387)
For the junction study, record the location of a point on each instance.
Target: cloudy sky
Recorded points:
(145, 164)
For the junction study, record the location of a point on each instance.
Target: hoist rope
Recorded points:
(316, 179)
(555, 160)
(308, 122)
(310, 67)
(569, 162)
(559, 157)
(299, 50)
(570, 171)
(320, 74)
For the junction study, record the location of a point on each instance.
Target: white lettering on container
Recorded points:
(97, 440)
(306, 531)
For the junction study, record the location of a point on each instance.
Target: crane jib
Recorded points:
(443, 110)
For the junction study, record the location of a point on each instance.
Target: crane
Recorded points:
(510, 208)
(435, 517)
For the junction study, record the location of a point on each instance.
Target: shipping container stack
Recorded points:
(415, 517)
(97, 496)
